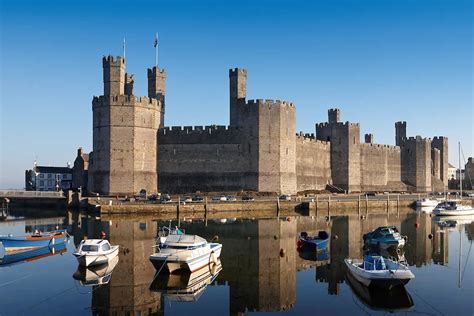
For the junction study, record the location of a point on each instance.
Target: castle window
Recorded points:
(217, 152)
(354, 139)
(249, 148)
(328, 138)
(287, 150)
(174, 151)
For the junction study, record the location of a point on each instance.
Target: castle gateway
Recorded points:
(260, 149)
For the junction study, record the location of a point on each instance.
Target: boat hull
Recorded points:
(172, 263)
(30, 242)
(463, 212)
(34, 254)
(88, 260)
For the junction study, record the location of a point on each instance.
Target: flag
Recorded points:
(156, 40)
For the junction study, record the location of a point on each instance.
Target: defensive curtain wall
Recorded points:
(259, 150)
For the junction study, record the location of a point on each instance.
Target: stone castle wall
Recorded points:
(313, 163)
(260, 150)
(210, 158)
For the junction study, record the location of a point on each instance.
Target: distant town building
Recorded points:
(80, 170)
(452, 172)
(45, 178)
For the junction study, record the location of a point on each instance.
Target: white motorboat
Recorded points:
(188, 252)
(96, 275)
(378, 271)
(452, 208)
(93, 252)
(425, 202)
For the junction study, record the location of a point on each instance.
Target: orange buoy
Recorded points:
(103, 235)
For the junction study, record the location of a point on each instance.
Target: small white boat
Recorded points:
(425, 202)
(93, 252)
(379, 271)
(188, 252)
(452, 208)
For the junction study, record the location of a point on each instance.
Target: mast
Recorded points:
(460, 171)
(460, 255)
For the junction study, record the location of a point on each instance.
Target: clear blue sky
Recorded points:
(379, 61)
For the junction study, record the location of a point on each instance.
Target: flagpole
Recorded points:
(124, 48)
(156, 50)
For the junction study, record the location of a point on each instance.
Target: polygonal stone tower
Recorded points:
(124, 135)
(157, 89)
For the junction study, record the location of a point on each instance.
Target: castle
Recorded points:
(260, 150)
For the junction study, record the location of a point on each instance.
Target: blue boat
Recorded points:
(36, 240)
(318, 242)
(32, 255)
(384, 237)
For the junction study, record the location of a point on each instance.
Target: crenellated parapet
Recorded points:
(347, 124)
(381, 147)
(125, 100)
(311, 139)
(270, 103)
(199, 134)
(109, 60)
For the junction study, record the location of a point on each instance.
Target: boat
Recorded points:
(96, 275)
(165, 231)
(452, 208)
(384, 237)
(318, 257)
(426, 202)
(397, 299)
(453, 220)
(17, 257)
(92, 252)
(318, 242)
(188, 252)
(186, 286)
(31, 241)
(378, 271)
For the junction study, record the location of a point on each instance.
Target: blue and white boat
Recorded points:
(384, 237)
(318, 242)
(31, 241)
(32, 254)
(378, 271)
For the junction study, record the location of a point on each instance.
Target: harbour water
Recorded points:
(261, 269)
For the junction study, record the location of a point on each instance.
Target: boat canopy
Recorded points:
(184, 241)
(374, 263)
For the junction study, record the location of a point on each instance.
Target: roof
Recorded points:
(45, 169)
(184, 240)
(451, 166)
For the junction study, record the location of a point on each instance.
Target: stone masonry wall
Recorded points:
(210, 158)
(313, 163)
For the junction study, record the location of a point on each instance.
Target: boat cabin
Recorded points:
(94, 245)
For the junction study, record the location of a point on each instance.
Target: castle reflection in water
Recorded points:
(259, 258)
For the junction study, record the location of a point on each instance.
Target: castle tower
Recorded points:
(114, 75)
(369, 138)
(237, 93)
(334, 115)
(157, 88)
(124, 136)
(400, 132)
(441, 143)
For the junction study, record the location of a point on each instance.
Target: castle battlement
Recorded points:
(235, 71)
(327, 124)
(418, 138)
(153, 71)
(381, 147)
(270, 102)
(111, 60)
(125, 100)
(439, 138)
(188, 130)
(309, 138)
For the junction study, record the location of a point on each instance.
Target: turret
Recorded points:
(334, 115)
(157, 88)
(129, 82)
(400, 132)
(369, 138)
(237, 91)
(114, 75)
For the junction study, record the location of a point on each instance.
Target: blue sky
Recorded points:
(378, 61)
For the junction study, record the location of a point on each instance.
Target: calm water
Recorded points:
(261, 270)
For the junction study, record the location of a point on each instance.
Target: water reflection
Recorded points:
(186, 286)
(10, 258)
(259, 262)
(95, 275)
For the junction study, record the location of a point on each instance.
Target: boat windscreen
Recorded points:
(90, 248)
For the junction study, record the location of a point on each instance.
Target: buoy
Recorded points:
(430, 236)
(215, 238)
(282, 252)
(335, 237)
(103, 235)
(288, 219)
(417, 225)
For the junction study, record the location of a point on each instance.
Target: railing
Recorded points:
(32, 194)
